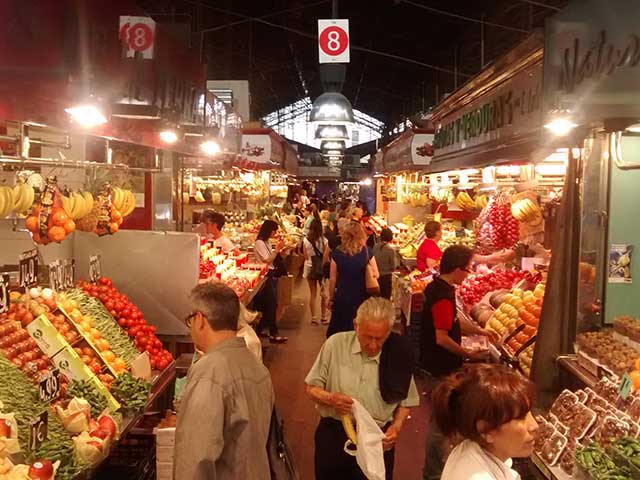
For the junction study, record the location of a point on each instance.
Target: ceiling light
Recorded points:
(332, 132)
(333, 108)
(560, 126)
(210, 147)
(635, 128)
(332, 145)
(367, 181)
(87, 116)
(169, 136)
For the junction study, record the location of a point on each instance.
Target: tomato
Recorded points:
(122, 322)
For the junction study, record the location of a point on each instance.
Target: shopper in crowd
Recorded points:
(266, 300)
(429, 254)
(315, 248)
(373, 366)
(441, 352)
(225, 409)
(214, 223)
(347, 285)
(488, 408)
(386, 261)
(333, 215)
(365, 209)
(310, 212)
(332, 234)
(304, 199)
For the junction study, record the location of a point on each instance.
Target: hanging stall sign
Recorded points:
(28, 268)
(5, 298)
(413, 150)
(138, 33)
(95, 268)
(333, 41)
(592, 60)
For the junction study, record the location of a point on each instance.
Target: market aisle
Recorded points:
(289, 365)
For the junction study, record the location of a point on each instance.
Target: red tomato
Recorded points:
(122, 322)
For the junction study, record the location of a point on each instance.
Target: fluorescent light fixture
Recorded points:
(508, 170)
(635, 128)
(210, 147)
(550, 169)
(332, 145)
(87, 116)
(560, 126)
(169, 136)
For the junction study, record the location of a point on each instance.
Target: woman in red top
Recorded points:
(429, 254)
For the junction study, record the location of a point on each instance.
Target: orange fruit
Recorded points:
(635, 378)
(69, 226)
(113, 227)
(32, 223)
(115, 215)
(56, 233)
(638, 364)
(59, 217)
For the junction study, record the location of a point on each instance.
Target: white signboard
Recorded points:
(422, 149)
(333, 41)
(256, 148)
(139, 33)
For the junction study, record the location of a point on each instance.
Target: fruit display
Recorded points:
(464, 200)
(525, 359)
(456, 236)
(104, 218)
(131, 319)
(481, 202)
(123, 200)
(48, 221)
(474, 288)
(612, 354)
(22, 195)
(6, 201)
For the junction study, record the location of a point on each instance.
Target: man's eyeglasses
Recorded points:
(189, 320)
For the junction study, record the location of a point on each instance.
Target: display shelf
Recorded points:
(571, 365)
(550, 473)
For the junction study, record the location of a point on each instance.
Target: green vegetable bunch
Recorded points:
(132, 393)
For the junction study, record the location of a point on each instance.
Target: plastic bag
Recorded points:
(369, 454)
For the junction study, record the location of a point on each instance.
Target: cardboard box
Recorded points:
(165, 436)
(165, 453)
(46, 336)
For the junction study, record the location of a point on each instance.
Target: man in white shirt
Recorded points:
(214, 222)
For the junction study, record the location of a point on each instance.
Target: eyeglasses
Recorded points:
(189, 320)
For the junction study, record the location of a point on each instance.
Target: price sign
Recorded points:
(333, 41)
(625, 386)
(4, 293)
(49, 386)
(95, 268)
(28, 265)
(68, 273)
(38, 429)
(55, 276)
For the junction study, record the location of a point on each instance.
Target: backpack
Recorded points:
(317, 266)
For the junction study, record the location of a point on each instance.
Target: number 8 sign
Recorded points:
(333, 41)
(138, 33)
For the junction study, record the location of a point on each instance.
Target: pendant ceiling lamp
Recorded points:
(332, 108)
(332, 132)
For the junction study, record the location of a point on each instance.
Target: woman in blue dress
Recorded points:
(347, 288)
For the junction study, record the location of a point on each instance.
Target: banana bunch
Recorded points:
(77, 205)
(6, 201)
(409, 251)
(123, 200)
(525, 210)
(481, 202)
(23, 196)
(347, 424)
(465, 201)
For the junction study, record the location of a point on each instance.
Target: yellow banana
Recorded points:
(347, 424)
(88, 198)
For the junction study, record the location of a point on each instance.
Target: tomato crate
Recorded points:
(133, 458)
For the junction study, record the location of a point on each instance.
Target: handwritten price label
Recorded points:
(28, 265)
(49, 387)
(4, 293)
(68, 273)
(38, 430)
(95, 268)
(55, 276)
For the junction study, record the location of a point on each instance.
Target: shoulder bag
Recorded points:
(317, 270)
(371, 282)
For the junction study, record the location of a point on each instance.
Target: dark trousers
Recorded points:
(266, 302)
(385, 286)
(332, 463)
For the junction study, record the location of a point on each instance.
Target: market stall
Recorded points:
(587, 346)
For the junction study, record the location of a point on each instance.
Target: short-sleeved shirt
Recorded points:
(262, 251)
(342, 366)
(224, 243)
(428, 249)
(439, 313)
(321, 244)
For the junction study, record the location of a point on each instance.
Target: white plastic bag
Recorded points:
(369, 453)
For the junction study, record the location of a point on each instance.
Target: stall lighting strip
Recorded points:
(52, 162)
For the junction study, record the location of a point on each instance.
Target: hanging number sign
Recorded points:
(333, 41)
(68, 273)
(49, 386)
(55, 276)
(95, 268)
(38, 429)
(28, 265)
(4, 293)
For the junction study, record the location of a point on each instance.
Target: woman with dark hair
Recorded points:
(429, 254)
(266, 300)
(315, 247)
(386, 261)
(310, 212)
(488, 407)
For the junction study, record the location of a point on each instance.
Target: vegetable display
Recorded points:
(132, 393)
(130, 318)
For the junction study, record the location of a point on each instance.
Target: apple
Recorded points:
(106, 423)
(41, 470)
(5, 428)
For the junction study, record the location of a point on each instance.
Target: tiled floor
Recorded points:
(289, 365)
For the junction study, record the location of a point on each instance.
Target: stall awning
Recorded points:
(411, 151)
